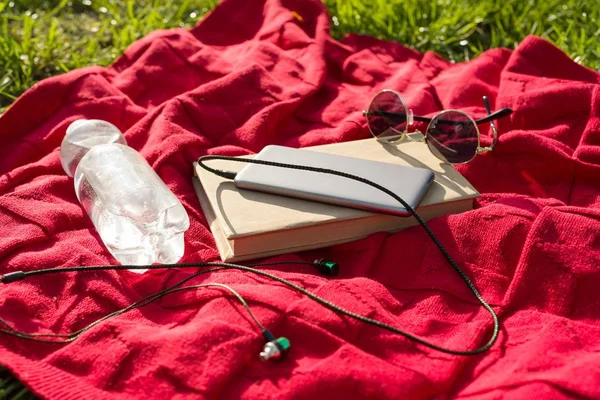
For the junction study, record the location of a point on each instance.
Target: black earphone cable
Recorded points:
(20, 275)
(69, 337)
(324, 266)
(496, 324)
(222, 266)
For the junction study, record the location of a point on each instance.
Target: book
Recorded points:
(249, 225)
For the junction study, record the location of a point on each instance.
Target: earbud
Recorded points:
(327, 267)
(275, 348)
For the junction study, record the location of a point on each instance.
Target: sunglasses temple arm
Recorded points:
(490, 118)
(486, 104)
(495, 115)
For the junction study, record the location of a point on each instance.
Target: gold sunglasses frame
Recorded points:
(425, 138)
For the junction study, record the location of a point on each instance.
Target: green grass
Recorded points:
(11, 388)
(41, 38)
(460, 30)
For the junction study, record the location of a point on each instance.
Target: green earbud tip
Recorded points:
(284, 343)
(332, 267)
(327, 267)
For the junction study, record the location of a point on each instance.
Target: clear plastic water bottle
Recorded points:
(138, 218)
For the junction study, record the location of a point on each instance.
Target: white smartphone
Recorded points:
(410, 183)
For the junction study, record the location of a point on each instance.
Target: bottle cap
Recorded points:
(81, 136)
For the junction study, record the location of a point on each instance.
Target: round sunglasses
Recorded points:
(452, 135)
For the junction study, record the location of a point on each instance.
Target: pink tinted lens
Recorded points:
(452, 137)
(387, 116)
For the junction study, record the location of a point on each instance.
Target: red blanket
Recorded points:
(254, 73)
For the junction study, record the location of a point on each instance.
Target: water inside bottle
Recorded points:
(138, 219)
(132, 243)
(155, 236)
